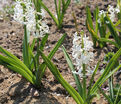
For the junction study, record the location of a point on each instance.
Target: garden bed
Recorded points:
(14, 89)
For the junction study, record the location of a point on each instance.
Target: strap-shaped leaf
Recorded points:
(17, 63)
(96, 12)
(61, 80)
(42, 67)
(63, 2)
(49, 12)
(22, 72)
(41, 47)
(89, 18)
(113, 30)
(26, 56)
(92, 78)
(117, 95)
(105, 74)
(109, 41)
(8, 54)
(33, 44)
(67, 4)
(76, 77)
(13, 65)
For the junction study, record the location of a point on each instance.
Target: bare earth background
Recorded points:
(16, 90)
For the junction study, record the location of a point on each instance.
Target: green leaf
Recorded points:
(43, 42)
(33, 44)
(68, 59)
(8, 54)
(67, 4)
(89, 18)
(119, 102)
(17, 67)
(109, 41)
(117, 23)
(117, 95)
(113, 30)
(22, 72)
(26, 57)
(107, 97)
(106, 74)
(41, 47)
(59, 10)
(63, 2)
(61, 80)
(92, 78)
(56, 8)
(51, 54)
(110, 81)
(15, 62)
(89, 25)
(96, 12)
(53, 17)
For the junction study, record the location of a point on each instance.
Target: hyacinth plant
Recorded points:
(60, 6)
(113, 90)
(31, 16)
(106, 25)
(82, 56)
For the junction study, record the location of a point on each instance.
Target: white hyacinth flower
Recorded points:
(111, 13)
(101, 15)
(25, 13)
(82, 55)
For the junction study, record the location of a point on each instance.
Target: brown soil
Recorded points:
(14, 89)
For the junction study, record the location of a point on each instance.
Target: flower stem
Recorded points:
(84, 82)
(37, 53)
(25, 48)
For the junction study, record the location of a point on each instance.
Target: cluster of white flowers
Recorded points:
(82, 55)
(101, 15)
(25, 13)
(111, 13)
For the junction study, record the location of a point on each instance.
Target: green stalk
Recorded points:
(25, 48)
(37, 65)
(84, 82)
(75, 21)
(37, 52)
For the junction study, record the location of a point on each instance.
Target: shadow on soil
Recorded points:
(23, 92)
